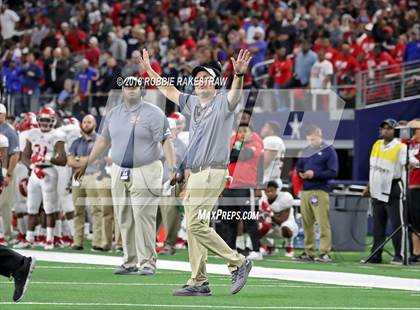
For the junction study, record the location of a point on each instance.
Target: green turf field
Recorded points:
(80, 286)
(343, 262)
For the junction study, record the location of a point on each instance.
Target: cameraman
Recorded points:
(414, 190)
(386, 187)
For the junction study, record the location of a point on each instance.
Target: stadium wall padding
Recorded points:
(367, 130)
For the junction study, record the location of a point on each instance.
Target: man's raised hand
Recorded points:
(144, 60)
(240, 65)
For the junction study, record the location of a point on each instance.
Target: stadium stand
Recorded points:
(81, 47)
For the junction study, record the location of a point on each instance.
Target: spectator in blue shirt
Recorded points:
(258, 49)
(84, 78)
(317, 165)
(303, 65)
(412, 50)
(10, 74)
(31, 75)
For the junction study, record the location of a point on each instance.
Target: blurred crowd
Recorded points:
(70, 53)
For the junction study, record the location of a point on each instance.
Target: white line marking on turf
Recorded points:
(312, 276)
(79, 304)
(180, 284)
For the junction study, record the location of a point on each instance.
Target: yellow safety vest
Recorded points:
(383, 162)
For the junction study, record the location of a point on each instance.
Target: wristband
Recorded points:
(239, 75)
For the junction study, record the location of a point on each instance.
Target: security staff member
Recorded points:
(387, 159)
(7, 198)
(211, 121)
(136, 128)
(85, 192)
(317, 165)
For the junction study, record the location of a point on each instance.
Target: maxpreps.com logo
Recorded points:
(223, 215)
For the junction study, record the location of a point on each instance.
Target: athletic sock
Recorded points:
(50, 234)
(57, 229)
(30, 236)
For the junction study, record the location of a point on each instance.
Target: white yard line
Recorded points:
(79, 304)
(311, 276)
(180, 284)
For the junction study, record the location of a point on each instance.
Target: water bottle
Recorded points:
(298, 243)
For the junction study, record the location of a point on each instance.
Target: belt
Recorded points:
(44, 166)
(201, 168)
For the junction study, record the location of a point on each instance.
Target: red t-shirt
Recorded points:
(282, 70)
(93, 55)
(398, 52)
(345, 64)
(115, 13)
(245, 172)
(384, 60)
(190, 43)
(355, 49)
(77, 40)
(367, 45)
(297, 182)
(331, 54)
(414, 174)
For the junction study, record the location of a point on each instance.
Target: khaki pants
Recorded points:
(136, 202)
(108, 220)
(203, 190)
(170, 217)
(7, 199)
(315, 208)
(83, 196)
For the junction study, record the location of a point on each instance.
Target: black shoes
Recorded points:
(240, 276)
(304, 258)
(99, 249)
(147, 271)
(414, 260)
(188, 290)
(324, 258)
(122, 270)
(373, 260)
(397, 260)
(22, 276)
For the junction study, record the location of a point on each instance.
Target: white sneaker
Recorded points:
(255, 256)
(289, 252)
(23, 245)
(49, 245)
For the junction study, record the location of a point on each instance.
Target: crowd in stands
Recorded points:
(72, 49)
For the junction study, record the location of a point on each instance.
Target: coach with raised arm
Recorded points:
(211, 120)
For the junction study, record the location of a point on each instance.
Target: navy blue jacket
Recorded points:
(323, 161)
(30, 82)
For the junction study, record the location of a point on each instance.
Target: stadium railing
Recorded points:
(371, 86)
